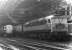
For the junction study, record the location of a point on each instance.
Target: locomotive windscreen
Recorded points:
(59, 20)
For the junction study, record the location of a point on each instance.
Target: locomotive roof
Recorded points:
(65, 16)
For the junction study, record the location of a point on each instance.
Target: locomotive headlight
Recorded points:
(8, 28)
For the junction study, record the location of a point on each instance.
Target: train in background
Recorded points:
(49, 27)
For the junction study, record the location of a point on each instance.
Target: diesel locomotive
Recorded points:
(50, 27)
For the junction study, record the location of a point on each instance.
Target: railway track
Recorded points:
(39, 44)
(29, 44)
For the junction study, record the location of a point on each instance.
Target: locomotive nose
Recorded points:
(8, 28)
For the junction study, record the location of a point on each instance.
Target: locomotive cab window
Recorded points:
(49, 21)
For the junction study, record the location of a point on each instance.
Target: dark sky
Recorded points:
(20, 11)
(32, 9)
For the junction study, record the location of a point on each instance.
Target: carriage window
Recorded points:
(29, 24)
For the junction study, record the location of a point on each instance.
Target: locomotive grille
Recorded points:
(60, 26)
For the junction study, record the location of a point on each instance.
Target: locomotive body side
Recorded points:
(37, 25)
